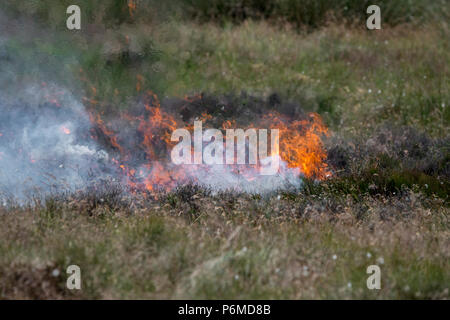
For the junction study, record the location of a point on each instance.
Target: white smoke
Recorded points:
(224, 177)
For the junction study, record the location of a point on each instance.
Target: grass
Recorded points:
(253, 248)
(346, 75)
(311, 14)
(384, 95)
(340, 74)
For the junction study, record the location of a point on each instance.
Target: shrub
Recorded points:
(312, 13)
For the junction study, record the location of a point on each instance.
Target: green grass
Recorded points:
(345, 76)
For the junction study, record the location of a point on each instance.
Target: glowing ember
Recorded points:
(65, 130)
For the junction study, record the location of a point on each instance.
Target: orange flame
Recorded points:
(300, 146)
(96, 119)
(65, 130)
(131, 7)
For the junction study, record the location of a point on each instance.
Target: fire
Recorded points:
(131, 7)
(65, 130)
(158, 176)
(97, 120)
(300, 147)
(156, 128)
(301, 144)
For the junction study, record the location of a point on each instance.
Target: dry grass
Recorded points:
(190, 244)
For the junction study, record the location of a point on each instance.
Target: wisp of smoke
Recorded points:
(45, 146)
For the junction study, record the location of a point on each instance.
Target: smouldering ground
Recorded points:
(384, 96)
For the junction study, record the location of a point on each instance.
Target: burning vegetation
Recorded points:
(133, 147)
(301, 147)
